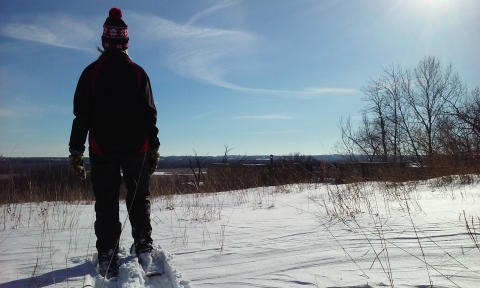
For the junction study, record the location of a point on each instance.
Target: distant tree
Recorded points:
(467, 128)
(356, 145)
(420, 112)
(383, 97)
(198, 176)
(375, 128)
(296, 157)
(428, 91)
(227, 151)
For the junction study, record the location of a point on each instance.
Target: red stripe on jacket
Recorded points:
(93, 146)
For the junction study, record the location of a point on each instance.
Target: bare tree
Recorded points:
(377, 103)
(467, 128)
(412, 113)
(227, 151)
(383, 97)
(347, 146)
(358, 144)
(428, 98)
(199, 164)
(468, 111)
(392, 83)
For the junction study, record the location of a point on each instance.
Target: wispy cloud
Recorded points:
(199, 116)
(16, 111)
(164, 29)
(204, 54)
(264, 117)
(200, 53)
(305, 93)
(211, 10)
(273, 132)
(60, 30)
(210, 55)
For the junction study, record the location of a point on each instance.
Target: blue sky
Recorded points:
(263, 77)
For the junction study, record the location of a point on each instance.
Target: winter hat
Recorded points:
(115, 31)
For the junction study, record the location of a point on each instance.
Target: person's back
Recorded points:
(122, 105)
(114, 105)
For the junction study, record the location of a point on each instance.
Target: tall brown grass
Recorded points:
(57, 182)
(38, 183)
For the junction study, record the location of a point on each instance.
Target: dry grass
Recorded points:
(43, 183)
(25, 184)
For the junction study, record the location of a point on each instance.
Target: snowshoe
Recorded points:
(108, 264)
(151, 264)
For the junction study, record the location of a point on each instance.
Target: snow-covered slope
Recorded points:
(370, 235)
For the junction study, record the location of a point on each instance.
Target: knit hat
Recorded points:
(115, 31)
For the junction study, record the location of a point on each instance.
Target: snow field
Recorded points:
(305, 235)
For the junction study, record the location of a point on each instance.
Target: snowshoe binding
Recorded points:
(152, 265)
(108, 264)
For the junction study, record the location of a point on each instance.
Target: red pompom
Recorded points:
(115, 13)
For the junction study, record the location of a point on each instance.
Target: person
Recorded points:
(114, 105)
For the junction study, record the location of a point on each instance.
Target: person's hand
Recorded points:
(153, 158)
(76, 162)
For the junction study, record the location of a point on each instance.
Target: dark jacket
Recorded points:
(114, 103)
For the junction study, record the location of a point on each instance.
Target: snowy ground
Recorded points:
(369, 235)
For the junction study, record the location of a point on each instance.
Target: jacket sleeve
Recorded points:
(83, 113)
(149, 112)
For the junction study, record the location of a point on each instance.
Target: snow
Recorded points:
(304, 235)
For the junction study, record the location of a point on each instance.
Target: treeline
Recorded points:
(24, 165)
(424, 115)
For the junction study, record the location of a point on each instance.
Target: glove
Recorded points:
(153, 158)
(76, 161)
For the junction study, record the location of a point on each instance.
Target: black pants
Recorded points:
(106, 181)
